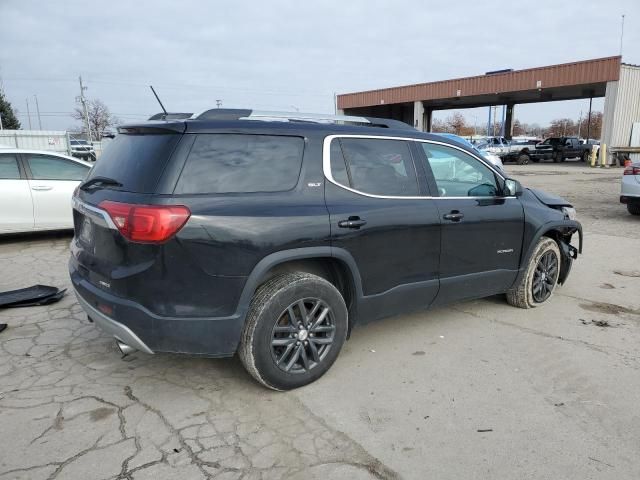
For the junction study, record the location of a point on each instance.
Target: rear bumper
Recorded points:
(136, 326)
(115, 329)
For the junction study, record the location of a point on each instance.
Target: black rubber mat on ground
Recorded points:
(27, 297)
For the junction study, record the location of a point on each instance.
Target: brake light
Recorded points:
(632, 170)
(146, 223)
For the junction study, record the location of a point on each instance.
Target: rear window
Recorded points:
(136, 161)
(230, 163)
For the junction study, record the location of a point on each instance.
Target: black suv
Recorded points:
(273, 236)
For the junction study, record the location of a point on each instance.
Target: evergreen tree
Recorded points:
(7, 114)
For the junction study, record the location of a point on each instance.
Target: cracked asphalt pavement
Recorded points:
(474, 390)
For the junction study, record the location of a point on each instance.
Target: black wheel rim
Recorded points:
(544, 276)
(302, 335)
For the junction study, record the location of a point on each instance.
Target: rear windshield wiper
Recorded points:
(100, 182)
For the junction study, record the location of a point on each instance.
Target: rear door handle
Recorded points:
(352, 222)
(41, 188)
(454, 216)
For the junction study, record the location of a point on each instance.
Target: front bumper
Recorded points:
(115, 329)
(627, 199)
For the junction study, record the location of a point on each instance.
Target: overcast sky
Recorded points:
(287, 55)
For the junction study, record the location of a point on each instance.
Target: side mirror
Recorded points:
(512, 187)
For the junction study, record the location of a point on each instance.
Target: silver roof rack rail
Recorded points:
(267, 116)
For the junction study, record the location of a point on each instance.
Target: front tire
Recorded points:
(295, 328)
(539, 281)
(633, 208)
(523, 159)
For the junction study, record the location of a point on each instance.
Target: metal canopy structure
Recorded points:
(414, 104)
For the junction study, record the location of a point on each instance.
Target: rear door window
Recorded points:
(9, 167)
(230, 163)
(45, 167)
(375, 166)
(136, 160)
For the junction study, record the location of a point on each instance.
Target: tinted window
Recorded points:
(242, 163)
(380, 167)
(458, 174)
(44, 167)
(136, 161)
(338, 165)
(9, 167)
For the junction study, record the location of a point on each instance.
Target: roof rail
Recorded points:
(246, 114)
(170, 116)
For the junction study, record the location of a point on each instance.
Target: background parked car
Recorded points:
(36, 189)
(630, 192)
(82, 149)
(494, 159)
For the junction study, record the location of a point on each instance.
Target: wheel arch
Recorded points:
(336, 266)
(561, 232)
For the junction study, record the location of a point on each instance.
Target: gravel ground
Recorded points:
(475, 390)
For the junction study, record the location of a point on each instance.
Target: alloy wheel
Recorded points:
(302, 335)
(545, 276)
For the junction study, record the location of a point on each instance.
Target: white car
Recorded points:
(36, 189)
(630, 192)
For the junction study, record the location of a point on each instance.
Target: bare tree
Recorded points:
(561, 127)
(100, 118)
(595, 129)
(457, 123)
(439, 126)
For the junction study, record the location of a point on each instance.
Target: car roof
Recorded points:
(43, 152)
(276, 128)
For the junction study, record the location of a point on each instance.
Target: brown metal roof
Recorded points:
(599, 70)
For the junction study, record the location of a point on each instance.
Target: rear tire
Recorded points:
(284, 347)
(523, 159)
(541, 277)
(633, 208)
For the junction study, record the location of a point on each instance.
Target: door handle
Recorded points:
(41, 188)
(352, 222)
(454, 216)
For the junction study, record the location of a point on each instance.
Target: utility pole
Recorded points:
(589, 120)
(83, 101)
(1, 128)
(621, 34)
(38, 110)
(218, 103)
(579, 123)
(28, 113)
(495, 114)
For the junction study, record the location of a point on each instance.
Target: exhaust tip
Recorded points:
(124, 348)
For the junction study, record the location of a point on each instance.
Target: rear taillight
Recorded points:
(632, 170)
(146, 223)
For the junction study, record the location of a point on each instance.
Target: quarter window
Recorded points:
(44, 167)
(9, 167)
(375, 166)
(229, 163)
(458, 174)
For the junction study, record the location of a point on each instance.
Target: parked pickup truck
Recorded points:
(561, 148)
(557, 149)
(520, 152)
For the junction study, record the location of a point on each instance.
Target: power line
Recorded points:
(173, 86)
